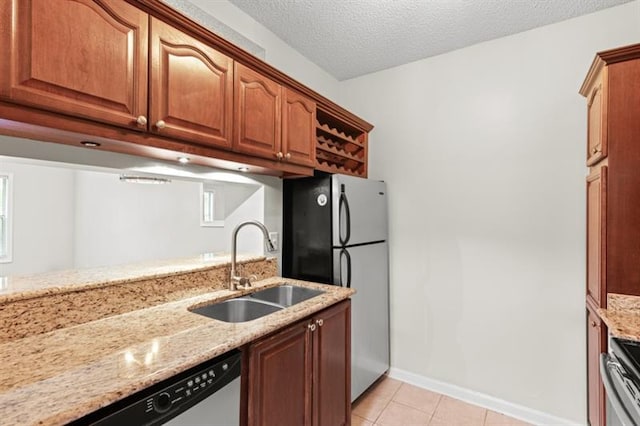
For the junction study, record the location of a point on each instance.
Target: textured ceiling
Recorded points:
(349, 38)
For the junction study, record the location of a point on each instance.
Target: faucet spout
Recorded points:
(236, 280)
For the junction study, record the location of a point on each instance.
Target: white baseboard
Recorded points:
(476, 398)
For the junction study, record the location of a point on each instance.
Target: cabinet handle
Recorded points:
(279, 155)
(593, 324)
(594, 150)
(288, 156)
(312, 327)
(141, 120)
(160, 124)
(319, 322)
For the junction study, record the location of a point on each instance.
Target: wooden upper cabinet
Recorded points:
(298, 128)
(83, 58)
(257, 106)
(612, 91)
(596, 236)
(597, 119)
(191, 88)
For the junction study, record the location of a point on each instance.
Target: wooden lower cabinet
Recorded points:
(596, 344)
(302, 374)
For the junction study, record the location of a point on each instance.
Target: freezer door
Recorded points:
(365, 268)
(359, 210)
(306, 249)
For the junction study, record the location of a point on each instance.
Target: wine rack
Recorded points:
(340, 147)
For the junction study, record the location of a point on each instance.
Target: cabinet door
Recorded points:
(597, 120)
(298, 128)
(257, 105)
(596, 344)
(596, 235)
(280, 378)
(332, 366)
(191, 88)
(84, 58)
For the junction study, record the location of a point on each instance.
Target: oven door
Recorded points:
(623, 396)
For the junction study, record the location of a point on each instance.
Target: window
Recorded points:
(5, 216)
(208, 205)
(211, 205)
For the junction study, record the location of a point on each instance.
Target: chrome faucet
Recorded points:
(237, 281)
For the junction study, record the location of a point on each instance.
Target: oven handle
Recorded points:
(610, 372)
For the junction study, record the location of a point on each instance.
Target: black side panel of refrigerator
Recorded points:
(306, 249)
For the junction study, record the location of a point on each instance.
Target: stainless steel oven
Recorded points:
(620, 371)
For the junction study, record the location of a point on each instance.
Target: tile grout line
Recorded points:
(375, 422)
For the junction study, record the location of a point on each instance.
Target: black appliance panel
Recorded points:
(307, 253)
(165, 400)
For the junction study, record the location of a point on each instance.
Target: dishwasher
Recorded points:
(208, 394)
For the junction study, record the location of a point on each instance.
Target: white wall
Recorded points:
(43, 219)
(483, 150)
(278, 53)
(119, 222)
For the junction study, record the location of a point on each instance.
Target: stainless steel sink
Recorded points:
(286, 295)
(237, 310)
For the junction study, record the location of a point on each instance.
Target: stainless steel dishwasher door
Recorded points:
(219, 409)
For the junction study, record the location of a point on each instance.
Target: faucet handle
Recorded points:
(244, 282)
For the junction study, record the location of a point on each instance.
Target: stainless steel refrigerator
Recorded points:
(335, 232)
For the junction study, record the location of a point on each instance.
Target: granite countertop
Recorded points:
(21, 287)
(622, 316)
(59, 376)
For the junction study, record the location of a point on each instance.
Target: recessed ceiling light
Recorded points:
(144, 179)
(243, 169)
(183, 160)
(90, 144)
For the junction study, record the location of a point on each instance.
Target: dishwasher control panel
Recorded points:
(170, 397)
(205, 381)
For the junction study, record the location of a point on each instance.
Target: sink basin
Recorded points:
(237, 310)
(286, 295)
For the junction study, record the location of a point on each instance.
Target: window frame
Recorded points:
(208, 188)
(8, 221)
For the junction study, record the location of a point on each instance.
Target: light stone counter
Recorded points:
(61, 375)
(622, 316)
(75, 297)
(20, 287)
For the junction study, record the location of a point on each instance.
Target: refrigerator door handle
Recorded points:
(348, 269)
(344, 203)
(345, 254)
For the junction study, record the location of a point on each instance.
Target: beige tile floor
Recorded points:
(390, 402)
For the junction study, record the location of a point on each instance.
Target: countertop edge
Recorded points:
(115, 390)
(101, 282)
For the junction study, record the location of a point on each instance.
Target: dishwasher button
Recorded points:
(162, 402)
(190, 383)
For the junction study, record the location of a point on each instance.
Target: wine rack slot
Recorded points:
(340, 147)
